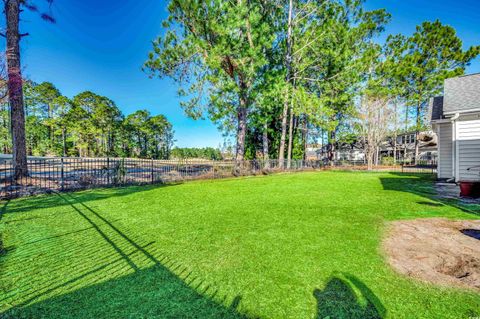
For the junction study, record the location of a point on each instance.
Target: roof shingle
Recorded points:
(462, 93)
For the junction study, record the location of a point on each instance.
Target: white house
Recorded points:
(455, 118)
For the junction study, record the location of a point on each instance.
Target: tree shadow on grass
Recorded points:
(422, 185)
(122, 277)
(48, 200)
(345, 296)
(3, 209)
(150, 293)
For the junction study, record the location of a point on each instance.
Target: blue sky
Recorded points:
(101, 46)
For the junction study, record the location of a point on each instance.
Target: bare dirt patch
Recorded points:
(436, 250)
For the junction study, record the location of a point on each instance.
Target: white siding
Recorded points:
(445, 149)
(468, 141)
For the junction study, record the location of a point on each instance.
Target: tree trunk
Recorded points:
(290, 139)
(417, 132)
(50, 127)
(305, 137)
(288, 65)
(322, 139)
(265, 146)
(281, 150)
(369, 157)
(241, 130)
(64, 142)
(395, 149)
(15, 93)
(405, 145)
(331, 147)
(395, 129)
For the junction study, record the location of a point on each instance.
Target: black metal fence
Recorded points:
(74, 173)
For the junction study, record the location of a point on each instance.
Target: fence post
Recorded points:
(108, 170)
(62, 174)
(153, 178)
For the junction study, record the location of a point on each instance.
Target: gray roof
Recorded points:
(462, 93)
(435, 108)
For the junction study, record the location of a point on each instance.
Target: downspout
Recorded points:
(439, 151)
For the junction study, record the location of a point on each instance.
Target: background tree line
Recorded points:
(86, 125)
(276, 75)
(209, 153)
(279, 75)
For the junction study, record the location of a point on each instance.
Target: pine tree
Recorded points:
(12, 9)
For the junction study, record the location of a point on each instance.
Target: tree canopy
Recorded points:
(277, 76)
(86, 125)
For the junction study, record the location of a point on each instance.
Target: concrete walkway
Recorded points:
(452, 191)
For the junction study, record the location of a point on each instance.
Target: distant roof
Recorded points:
(435, 108)
(462, 93)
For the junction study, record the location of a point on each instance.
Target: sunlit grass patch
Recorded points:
(290, 245)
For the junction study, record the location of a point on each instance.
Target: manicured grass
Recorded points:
(304, 245)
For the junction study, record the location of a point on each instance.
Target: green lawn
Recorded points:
(303, 245)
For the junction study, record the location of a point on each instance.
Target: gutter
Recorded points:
(463, 111)
(441, 121)
(455, 117)
(449, 120)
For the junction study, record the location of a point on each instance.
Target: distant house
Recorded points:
(455, 117)
(311, 152)
(404, 150)
(344, 152)
(405, 147)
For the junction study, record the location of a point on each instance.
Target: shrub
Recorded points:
(86, 180)
(388, 160)
(119, 172)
